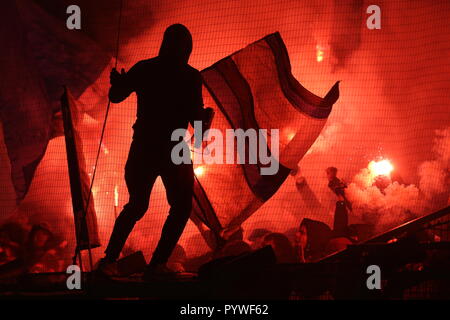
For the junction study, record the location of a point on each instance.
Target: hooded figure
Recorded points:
(177, 44)
(169, 91)
(169, 96)
(317, 236)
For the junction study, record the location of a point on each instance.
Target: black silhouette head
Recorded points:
(176, 44)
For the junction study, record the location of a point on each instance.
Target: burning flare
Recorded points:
(381, 168)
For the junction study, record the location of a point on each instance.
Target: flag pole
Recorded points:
(74, 177)
(103, 130)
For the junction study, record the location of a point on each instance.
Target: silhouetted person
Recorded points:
(340, 222)
(281, 246)
(312, 240)
(169, 96)
(337, 186)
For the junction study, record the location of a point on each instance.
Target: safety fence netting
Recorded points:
(271, 65)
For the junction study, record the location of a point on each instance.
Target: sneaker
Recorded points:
(159, 272)
(107, 268)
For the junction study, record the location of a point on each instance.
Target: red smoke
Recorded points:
(394, 96)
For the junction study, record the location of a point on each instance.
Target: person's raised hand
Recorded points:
(115, 76)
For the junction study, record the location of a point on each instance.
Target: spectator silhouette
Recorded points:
(282, 247)
(169, 96)
(314, 238)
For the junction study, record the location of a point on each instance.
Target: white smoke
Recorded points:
(395, 204)
(434, 174)
(399, 202)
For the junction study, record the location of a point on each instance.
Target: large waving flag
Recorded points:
(251, 89)
(37, 58)
(254, 88)
(25, 109)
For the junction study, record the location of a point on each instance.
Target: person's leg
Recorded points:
(178, 181)
(340, 224)
(140, 175)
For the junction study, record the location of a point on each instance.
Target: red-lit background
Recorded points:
(394, 104)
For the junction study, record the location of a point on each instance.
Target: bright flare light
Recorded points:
(381, 168)
(199, 171)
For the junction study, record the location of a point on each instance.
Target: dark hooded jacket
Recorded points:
(169, 90)
(318, 235)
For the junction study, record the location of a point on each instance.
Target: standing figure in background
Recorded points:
(337, 186)
(340, 225)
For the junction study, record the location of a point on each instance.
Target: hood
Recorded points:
(318, 234)
(176, 44)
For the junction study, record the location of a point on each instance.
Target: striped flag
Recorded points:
(254, 88)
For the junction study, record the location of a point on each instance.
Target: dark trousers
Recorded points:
(340, 225)
(145, 163)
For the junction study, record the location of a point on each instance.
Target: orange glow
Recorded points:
(381, 168)
(290, 135)
(105, 149)
(320, 53)
(116, 196)
(94, 191)
(199, 171)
